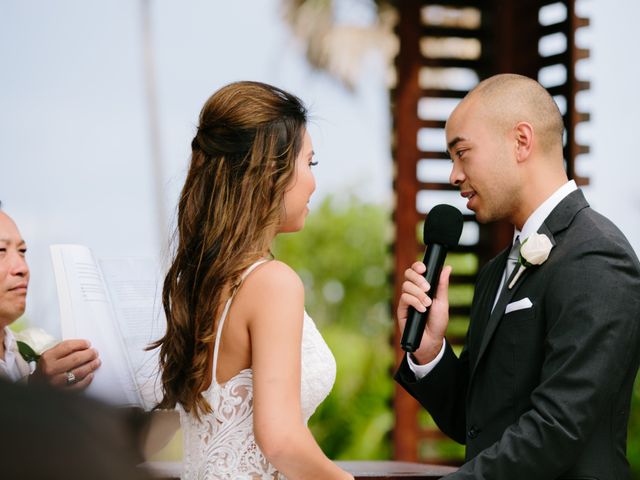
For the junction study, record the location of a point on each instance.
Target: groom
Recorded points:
(542, 388)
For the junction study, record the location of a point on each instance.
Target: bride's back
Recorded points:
(222, 444)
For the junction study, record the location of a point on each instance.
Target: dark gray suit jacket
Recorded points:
(544, 392)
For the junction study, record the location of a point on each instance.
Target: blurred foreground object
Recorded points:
(49, 434)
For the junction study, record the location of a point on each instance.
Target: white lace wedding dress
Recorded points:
(222, 445)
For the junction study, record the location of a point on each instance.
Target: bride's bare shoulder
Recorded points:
(273, 293)
(272, 276)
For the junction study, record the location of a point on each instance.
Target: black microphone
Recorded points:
(442, 229)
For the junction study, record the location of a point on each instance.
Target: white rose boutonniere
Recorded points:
(534, 251)
(33, 342)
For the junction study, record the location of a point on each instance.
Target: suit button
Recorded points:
(473, 432)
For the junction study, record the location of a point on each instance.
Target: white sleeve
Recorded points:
(421, 371)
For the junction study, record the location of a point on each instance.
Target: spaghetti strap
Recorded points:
(223, 317)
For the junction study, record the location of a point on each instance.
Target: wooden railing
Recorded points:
(361, 470)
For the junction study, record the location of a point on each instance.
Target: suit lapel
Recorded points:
(498, 312)
(559, 219)
(485, 294)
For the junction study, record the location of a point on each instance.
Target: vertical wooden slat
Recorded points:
(406, 124)
(574, 117)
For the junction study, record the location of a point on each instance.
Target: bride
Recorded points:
(241, 359)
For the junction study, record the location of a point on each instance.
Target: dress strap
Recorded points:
(225, 312)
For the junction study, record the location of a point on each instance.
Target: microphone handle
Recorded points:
(416, 321)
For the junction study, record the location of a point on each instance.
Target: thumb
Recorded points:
(442, 293)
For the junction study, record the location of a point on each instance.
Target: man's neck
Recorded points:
(540, 214)
(535, 194)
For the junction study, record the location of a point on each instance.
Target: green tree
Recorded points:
(343, 257)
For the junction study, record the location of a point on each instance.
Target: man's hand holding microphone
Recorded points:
(418, 303)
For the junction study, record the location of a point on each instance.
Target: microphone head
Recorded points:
(443, 226)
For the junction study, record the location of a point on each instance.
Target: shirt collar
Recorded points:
(9, 341)
(540, 214)
(9, 366)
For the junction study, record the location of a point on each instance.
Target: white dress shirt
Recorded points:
(531, 226)
(9, 367)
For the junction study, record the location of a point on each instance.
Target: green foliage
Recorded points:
(633, 439)
(343, 258)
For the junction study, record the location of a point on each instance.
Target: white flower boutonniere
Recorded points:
(33, 342)
(534, 251)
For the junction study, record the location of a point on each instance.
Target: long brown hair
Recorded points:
(243, 160)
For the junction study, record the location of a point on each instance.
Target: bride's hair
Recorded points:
(243, 159)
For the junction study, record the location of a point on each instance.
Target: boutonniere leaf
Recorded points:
(27, 352)
(533, 251)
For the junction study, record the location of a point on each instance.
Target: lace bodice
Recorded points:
(222, 445)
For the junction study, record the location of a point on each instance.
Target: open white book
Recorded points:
(115, 304)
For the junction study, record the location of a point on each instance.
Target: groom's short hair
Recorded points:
(511, 98)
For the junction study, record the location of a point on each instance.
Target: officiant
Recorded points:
(69, 364)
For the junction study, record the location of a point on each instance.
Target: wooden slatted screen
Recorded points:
(446, 48)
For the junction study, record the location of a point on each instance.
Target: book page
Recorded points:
(86, 312)
(135, 291)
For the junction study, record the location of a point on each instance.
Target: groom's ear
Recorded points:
(524, 136)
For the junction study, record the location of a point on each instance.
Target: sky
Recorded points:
(75, 160)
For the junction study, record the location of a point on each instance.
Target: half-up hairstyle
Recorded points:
(242, 162)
